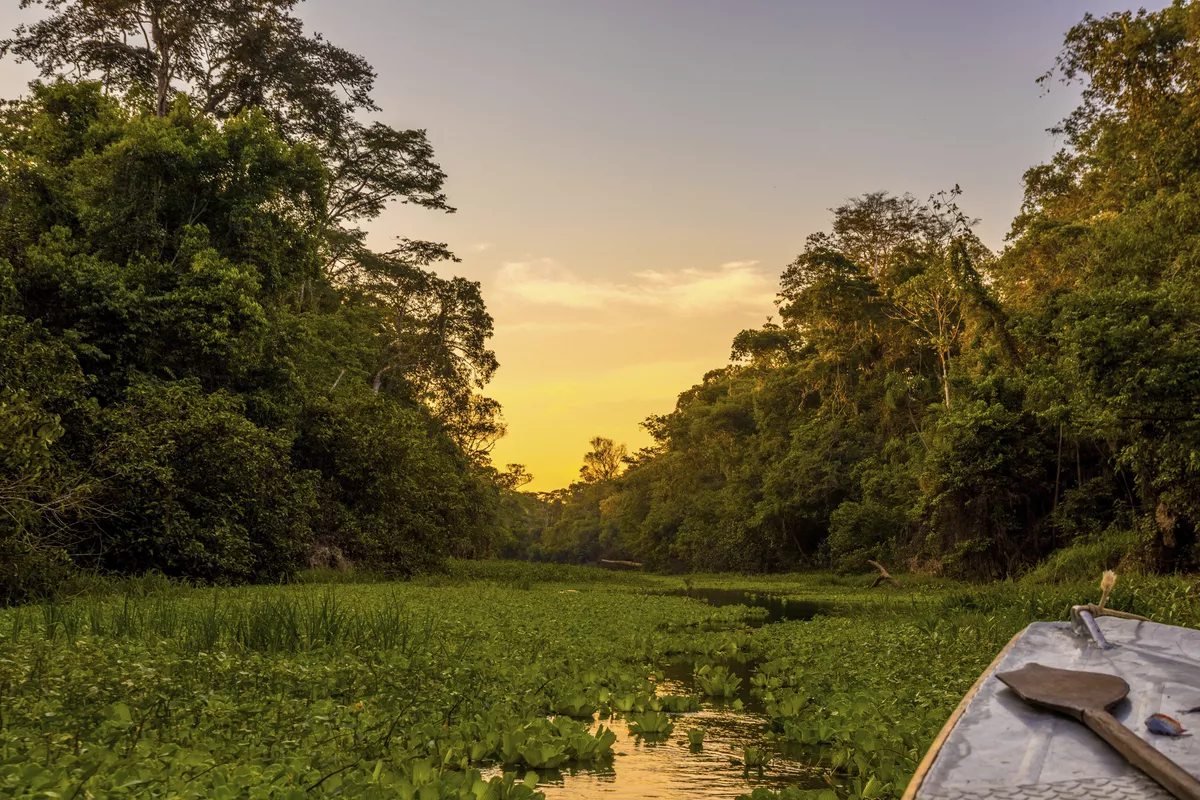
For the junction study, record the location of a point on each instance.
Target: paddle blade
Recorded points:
(1066, 690)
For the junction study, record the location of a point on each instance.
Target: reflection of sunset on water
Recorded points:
(669, 769)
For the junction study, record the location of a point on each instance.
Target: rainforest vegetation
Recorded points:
(924, 401)
(205, 370)
(507, 681)
(209, 380)
(208, 373)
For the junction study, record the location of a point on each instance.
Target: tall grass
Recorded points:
(270, 621)
(1112, 549)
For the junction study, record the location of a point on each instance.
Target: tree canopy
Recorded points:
(205, 371)
(926, 402)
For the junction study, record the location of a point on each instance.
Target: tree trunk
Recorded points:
(1058, 469)
(945, 376)
(377, 384)
(1078, 467)
(163, 72)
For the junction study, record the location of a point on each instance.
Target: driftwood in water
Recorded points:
(882, 576)
(630, 564)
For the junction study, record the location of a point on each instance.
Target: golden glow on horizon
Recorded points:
(551, 419)
(627, 217)
(593, 352)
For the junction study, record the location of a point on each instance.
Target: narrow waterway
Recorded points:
(779, 609)
(673, 769)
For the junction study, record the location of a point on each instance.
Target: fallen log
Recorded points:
(633, 564)
(882, 576)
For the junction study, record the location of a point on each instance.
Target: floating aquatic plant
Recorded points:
(717, 681)
(677, 703)
(652, 724)
(756, 757)
(787, 704)
(195, 689)
(577, 705)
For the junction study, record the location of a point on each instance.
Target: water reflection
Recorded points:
(678, 679)
(670, 769)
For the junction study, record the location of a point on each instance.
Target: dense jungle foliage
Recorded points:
(924, 401)
(203, 369)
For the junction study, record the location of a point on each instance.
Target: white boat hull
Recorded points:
(997, 746)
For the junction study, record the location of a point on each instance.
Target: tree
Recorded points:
(229, 54)
(1102, 271)
(770, 346)
(46, 499)
(933, 302)
(435, 330)
(434, 339)
(475, 424)
(813, 446)
(234, 55)
(871, 228)
(921, 399)
(198, 490)
(604, 462)
(514, 477)
(394, 493)
(187, 388)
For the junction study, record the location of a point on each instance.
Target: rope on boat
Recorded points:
(1083, 617)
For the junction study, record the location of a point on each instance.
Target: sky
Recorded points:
(632, 176)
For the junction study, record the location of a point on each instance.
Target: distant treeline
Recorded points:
(924, 401)
(203, 368)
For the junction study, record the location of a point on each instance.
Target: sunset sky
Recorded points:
(631, 176)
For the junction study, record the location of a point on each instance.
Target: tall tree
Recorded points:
(871, 228)
(604, 462)
(229, 54)
(233, 55)
(936, 302)
(436, 330)
(179, 258)
(1103, 265)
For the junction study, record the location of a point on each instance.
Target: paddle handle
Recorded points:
(1142, 755)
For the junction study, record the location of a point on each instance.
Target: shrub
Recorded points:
(1089, 557)
(396, 496)
(198, 490)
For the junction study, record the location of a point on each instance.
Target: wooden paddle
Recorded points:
(1087, 696)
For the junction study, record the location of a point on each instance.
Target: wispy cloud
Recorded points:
(548, 326)
(546, 282)
(479, 247)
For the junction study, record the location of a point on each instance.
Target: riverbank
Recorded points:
(504, 680)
